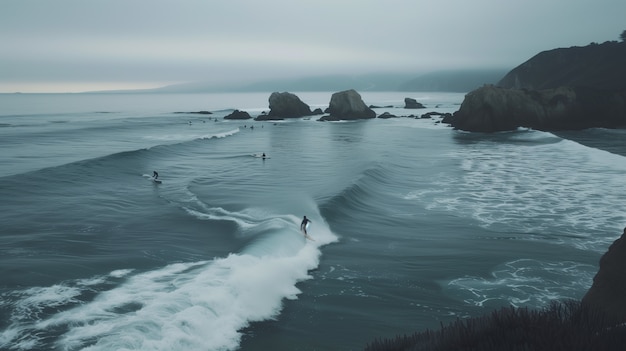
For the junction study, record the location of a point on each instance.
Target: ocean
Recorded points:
(414, 224)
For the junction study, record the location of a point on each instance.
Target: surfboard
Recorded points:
(306, 227)
(261, 156)
(156, 181)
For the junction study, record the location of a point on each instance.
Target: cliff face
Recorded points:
(597, 66)
(561, 89)
(493, 109)
(608, 291)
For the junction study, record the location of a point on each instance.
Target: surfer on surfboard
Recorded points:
(155, 176)
(303, 225)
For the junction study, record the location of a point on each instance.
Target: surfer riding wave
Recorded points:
(303, 225)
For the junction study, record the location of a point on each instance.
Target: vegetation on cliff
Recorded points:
(567, 326)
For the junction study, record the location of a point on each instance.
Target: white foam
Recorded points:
(190, 135)
(183, 306)
(120, 273)
(523, 282)
(533, 182)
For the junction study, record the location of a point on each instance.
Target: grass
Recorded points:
(568, 325)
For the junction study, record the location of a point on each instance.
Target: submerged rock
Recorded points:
(387, 115)
(238, 115)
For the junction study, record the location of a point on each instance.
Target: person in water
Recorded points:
(264, 155)
(305, 221)
(155, 174)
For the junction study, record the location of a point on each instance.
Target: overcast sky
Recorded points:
(78, 45)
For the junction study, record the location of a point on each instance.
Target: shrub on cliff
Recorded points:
(570, 326)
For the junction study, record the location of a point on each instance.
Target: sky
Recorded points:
(86, 45)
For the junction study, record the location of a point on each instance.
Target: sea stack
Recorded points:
(348, 105)
(286, 105)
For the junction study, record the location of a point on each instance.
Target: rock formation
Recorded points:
(561, 89)
(597, 66)
(412, 103)
(348, 105)
(492, 109)
(608, 291)
(385, 115)
(286, 105)
(238, 115)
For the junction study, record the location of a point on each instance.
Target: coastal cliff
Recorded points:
(561, 89)
(596, 66)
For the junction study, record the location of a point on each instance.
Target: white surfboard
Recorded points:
(308, 224)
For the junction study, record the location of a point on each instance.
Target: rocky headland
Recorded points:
(562, 89)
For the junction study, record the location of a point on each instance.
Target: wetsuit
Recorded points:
(303, 224)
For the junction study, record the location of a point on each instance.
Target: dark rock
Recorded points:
(328, 118)
(317, 111)
(492, 109)
(238, 115)
(348, 105)
(597, 66)
(287, 105)
(436, 114)
(197, 113)
(448, 119)
(266, 117)
(387, 115)
(608, 291)
(412, 103)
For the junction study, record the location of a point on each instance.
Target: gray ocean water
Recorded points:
(414, 224)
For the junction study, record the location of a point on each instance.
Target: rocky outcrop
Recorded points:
(432, 114)
(492, 109)
(196, 113)
(412, 103)
(286, 105)
(561, 89)
(348, 105)
(608, 291)
(386, 115)
(238, 115)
